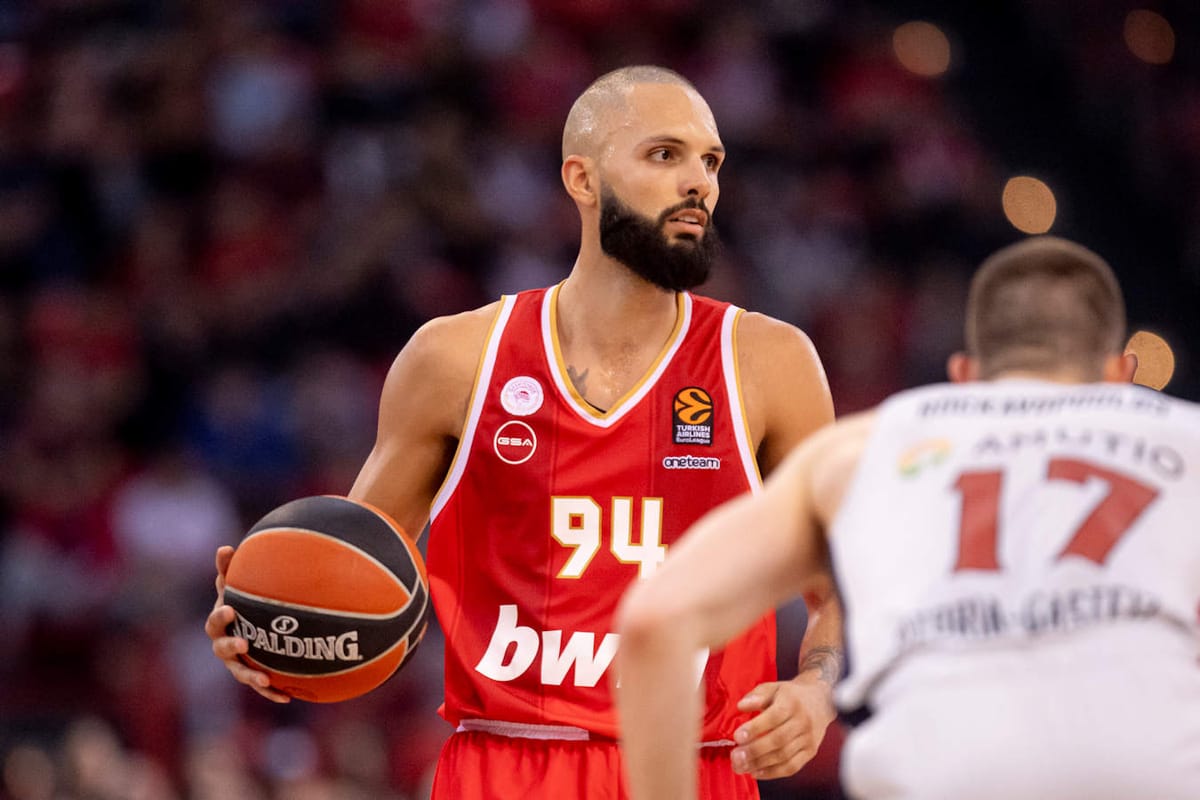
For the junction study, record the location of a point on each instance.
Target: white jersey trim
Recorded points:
(561, 733)
(518, 730)
(478, 394)
(733, 389)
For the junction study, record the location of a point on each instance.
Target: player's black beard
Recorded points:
(639, 243)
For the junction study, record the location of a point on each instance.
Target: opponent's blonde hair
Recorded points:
(1042, 305)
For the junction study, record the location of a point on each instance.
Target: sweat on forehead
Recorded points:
(590, 118)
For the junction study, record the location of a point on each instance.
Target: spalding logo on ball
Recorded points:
(332, 596)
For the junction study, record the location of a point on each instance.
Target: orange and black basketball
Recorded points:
(332, 596)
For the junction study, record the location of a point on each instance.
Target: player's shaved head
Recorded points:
(1044, 304)
(597, 110)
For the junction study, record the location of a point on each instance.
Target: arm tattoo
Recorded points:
(827, 660)
(579, 379)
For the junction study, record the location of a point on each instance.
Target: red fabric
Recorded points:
(492, 551)
(480, 766)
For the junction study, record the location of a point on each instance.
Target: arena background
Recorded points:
(219, 221)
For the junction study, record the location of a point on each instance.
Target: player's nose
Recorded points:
(697, 180)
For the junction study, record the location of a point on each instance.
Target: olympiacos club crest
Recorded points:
(521, 396)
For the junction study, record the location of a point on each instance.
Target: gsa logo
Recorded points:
(515, 442)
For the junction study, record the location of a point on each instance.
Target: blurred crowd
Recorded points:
(221, 219)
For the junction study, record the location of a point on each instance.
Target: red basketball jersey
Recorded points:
(552, 507)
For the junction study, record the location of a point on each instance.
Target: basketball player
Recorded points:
(560, 440)
(1017, 557)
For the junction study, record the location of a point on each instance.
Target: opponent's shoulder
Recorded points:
(827, 461)
(849, 435)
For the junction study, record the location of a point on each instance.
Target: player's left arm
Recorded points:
(787, 399)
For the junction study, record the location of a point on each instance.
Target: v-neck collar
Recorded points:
(588, 412)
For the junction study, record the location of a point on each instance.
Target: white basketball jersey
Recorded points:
(1008, 515)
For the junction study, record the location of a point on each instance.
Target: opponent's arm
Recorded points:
(788, 399)
(740, 560)
(734, 565)
(421, 412)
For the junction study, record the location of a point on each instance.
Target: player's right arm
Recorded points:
(422, 410)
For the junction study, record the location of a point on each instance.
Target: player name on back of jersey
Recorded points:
(957, 402)
(986, 617)
(1140, 452)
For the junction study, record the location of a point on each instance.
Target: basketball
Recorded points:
(332, 596)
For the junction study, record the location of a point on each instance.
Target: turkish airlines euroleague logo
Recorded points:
(514, 442)
(693, 412)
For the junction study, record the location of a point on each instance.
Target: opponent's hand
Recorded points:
(787, 731)
(227, 647)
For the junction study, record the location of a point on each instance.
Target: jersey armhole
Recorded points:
(483, 378)
(737, 406)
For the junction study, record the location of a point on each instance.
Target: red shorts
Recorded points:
(484, 766)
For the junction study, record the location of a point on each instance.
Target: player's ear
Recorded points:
(961, 368)
(1120, 369)
(578, 176)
